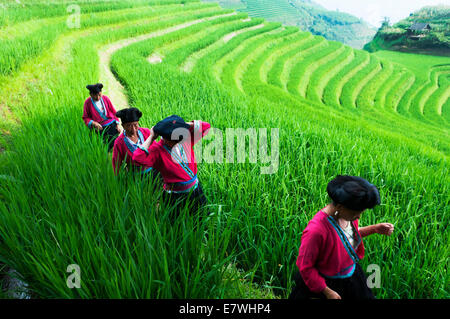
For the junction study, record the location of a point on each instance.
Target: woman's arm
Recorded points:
(311, 244)
(144, 155)
(119, 128)
(383, 229)
(150, 139)
(198, 130)
(87, 117)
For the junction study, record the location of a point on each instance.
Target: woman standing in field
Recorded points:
(129, 140)
(173, 157)
(100, 114)
(331, 244)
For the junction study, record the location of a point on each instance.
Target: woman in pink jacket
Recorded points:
(99, 114)
(173, 157)
(331, 244)
(128, 141)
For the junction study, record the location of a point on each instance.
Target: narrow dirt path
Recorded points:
(113, 88)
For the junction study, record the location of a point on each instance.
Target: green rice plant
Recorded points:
(366, 97)
(238, 44)
(378, 118)
(16, 51)
(420, 65)
(274, 74)
(190, 62)
(385, 85)
(321, 77)
(250, 53)
(427, 91)
(440, 98)
(353, 86)
(313, 46)
(118, 17)
(436, 101)
(280, 50)
(216, 26)
(333, 91)
(191, 45)
(406, 80)
(306, 66)
(446, 109)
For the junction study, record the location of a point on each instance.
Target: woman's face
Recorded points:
(131, 127)
(348, 214)
(96, 96)
(169, 142)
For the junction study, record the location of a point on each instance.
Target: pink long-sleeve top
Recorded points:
(124, 148)
(177, 165)
(91, 113)
(325, 252)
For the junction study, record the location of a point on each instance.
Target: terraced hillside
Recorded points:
(382, 116)
(308, 16)
(403, 36)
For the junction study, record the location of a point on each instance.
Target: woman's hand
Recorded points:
(152, 132)
(331, 294)
(119, 129)
(97, 126)
(149, 141)
(153, 135)
(384, 229)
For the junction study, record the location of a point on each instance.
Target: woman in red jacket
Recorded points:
(173, 157)
(133, 135)
(99, 114)
(331, 244)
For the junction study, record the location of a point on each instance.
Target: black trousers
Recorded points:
(195, 200)
(109, 135)
(354, 287)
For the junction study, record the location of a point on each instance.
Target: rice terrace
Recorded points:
(289, 111)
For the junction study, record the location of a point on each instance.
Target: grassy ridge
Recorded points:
(422, 68)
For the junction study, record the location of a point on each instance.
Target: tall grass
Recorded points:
(268, 220)
(76, 211)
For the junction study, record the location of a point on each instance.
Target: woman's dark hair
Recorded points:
(353, 192)
(128, 115)
(94, 88)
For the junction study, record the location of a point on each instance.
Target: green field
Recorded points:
(383, 116)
